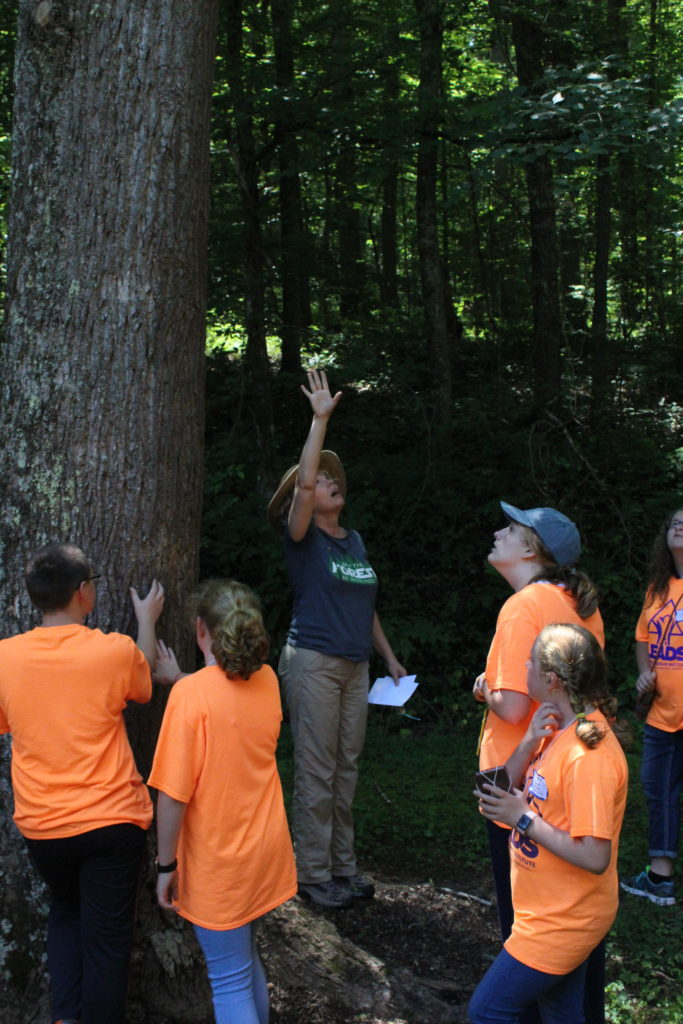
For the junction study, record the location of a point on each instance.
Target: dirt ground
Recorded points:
(435, 940)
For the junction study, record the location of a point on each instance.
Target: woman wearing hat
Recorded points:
(536, 553)
(324, 664)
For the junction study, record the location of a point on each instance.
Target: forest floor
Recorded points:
(443, 934)
(433, 924)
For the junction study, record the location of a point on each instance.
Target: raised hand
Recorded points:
(167, 670)
(322, 402)
(148, 608)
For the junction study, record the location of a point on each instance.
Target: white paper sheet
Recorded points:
(385, 691)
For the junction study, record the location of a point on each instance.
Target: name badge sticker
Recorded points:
(538, 787)
(679, 615)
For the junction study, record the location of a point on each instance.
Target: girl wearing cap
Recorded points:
(324, 664)
(659, 655)
(225, 854)
(565, 818)
(536, 553)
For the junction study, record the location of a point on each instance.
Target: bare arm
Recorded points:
(541, 726)
(383, 647)
(587, 852)
(147, 611)
(647, 677)
(510, 705)
(323, 405)
(170, 814)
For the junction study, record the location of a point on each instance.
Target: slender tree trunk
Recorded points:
(389, 217)
(601, 356)
(243, 146)
(432, 271)
(296, 300)
(548, 329)
(103, 362)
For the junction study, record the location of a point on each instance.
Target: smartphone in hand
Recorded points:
(494, 776)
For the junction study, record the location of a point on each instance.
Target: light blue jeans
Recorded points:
(238, 981)
(509, 987)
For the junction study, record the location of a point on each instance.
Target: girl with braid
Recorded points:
(565, 810)
(225, 855)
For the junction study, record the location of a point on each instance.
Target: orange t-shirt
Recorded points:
(655, 621)
(62, 693)
(562, 911)
(216, 753)
(520, 620)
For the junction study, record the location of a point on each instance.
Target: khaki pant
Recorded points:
(327, 699)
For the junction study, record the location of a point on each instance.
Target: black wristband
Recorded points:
(165, 869)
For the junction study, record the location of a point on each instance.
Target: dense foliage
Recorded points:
(580, 412)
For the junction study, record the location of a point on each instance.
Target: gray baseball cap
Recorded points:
(558, 533)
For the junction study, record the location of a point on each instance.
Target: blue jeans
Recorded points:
(93, 882)
(509, 987)
(238, 981)
(662, 776)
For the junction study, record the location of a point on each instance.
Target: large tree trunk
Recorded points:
(103, 364)
(432, 270)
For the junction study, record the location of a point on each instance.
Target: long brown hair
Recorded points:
(661, 566)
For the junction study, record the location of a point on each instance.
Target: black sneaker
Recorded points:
(326, 894)
(358, 886)
(661, 893)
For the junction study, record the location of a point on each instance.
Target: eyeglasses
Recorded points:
(96, 576)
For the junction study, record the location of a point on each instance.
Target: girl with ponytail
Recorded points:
(225, 855)
(565, 809)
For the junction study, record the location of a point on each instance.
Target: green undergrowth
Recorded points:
(417, 820)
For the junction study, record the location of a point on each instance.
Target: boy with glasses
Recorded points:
(80, 802)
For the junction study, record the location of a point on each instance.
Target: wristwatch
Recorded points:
(525, 822)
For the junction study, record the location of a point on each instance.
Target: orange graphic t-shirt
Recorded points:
(660, 626)
(62, 693)
(520, 620)
(216, 753)
(562, 911)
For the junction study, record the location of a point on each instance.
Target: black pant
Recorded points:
(93, 880)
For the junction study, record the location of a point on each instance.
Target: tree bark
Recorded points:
(103, 363)
(432, 270)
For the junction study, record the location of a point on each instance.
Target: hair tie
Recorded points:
(581, 714)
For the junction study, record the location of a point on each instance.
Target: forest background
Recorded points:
(469, 213)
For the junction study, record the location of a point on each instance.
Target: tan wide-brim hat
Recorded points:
(329, 463)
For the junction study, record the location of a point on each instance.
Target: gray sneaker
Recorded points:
(360, 887)
(326, 894)
(661, 893)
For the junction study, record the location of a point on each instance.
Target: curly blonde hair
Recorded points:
(577, 659)
(231, 612)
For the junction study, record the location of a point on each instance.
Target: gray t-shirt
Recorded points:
(335, 590)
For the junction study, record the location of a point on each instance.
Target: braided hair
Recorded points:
(581, 588)
(232, 614)
(576, 658)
